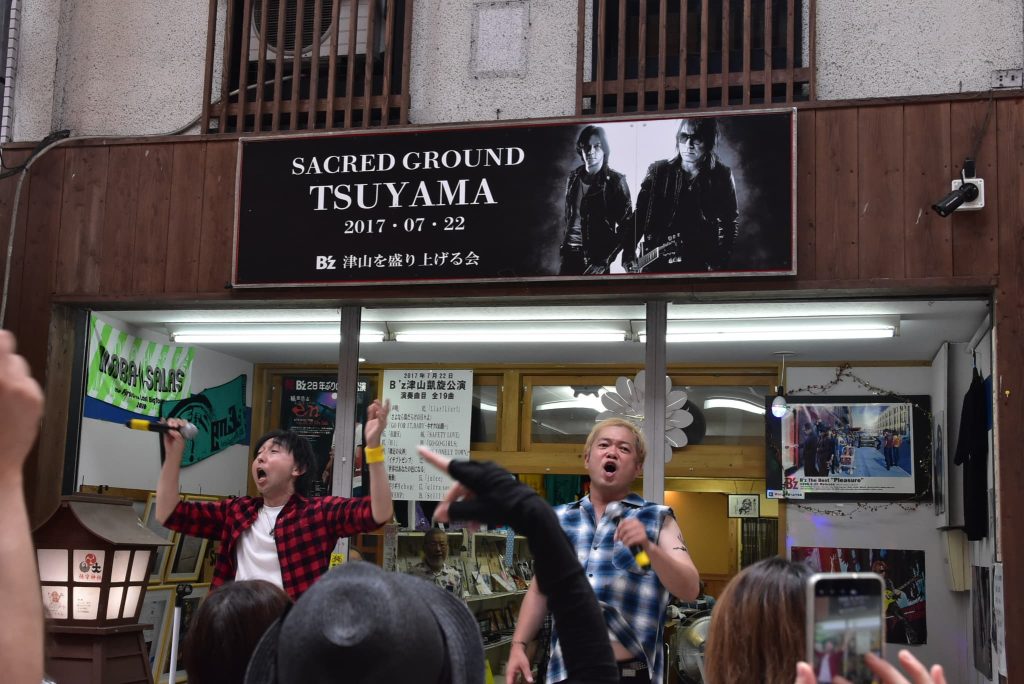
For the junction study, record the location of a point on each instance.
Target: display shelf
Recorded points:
(496, 595)
(503, 641)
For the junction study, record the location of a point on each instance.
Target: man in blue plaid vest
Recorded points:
(634, 556)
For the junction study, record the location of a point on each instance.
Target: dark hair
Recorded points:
(706, 130)
(757, 626)
(584, 138)
(226, 629)
(301, 450)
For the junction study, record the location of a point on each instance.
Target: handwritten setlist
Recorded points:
(432, 408)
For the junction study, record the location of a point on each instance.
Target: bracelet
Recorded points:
(374, 454)
(521, 643)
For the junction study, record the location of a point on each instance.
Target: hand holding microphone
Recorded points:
(187, 430)
(616, 513)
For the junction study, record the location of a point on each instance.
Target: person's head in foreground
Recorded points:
(361, 625)
(757, 633)
(757, 626)
(227, 627)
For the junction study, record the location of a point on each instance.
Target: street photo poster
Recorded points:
(668, 197)
(849, 448)
(904, 603)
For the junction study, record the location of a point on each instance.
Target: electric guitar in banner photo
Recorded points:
(655, 254)
(601, 267)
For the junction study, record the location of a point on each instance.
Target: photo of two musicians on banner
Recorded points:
(717, 202)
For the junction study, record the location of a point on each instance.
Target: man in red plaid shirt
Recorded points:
(280, 536)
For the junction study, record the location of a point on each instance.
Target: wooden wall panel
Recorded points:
(975, 233)
(216, 244)
(927, 236)
(8, 189)
(43, 210)
(806, 152)
(82, 215)
(1009, 385)
(185, 225)
(118, 234)
(835, 190)
(880, 195)
(151, 220)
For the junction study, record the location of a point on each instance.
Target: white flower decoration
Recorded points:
(627, 401)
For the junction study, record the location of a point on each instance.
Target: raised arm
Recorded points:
(21, 630)
(488, 493)
(380, 488)
(167, 495)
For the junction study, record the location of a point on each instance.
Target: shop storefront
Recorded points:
(142, 236)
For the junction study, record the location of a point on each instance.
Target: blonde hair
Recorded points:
(641, 443)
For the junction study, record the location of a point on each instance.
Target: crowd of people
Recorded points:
(604, 568)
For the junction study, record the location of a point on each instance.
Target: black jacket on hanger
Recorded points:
(972, 454)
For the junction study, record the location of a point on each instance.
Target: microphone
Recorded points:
(188, 430)
(615, 512)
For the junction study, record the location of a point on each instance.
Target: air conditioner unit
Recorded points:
(302, 38)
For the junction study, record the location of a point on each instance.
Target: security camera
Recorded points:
(968, 193)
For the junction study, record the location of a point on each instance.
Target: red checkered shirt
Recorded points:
(305, 533)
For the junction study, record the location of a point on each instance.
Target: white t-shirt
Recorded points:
(256, 553)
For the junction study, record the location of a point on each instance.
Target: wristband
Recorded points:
(374, 454)
(521, 643)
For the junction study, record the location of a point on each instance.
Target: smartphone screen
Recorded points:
(844, 622)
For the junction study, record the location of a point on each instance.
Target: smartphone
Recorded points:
(845, 621)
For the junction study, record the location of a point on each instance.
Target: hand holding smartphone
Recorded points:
(844, 622)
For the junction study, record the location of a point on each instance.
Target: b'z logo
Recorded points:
(325, 263)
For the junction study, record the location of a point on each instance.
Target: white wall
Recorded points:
(110, 454)
(110, 67)
(880, 48)
(525, 70)
(890, 525)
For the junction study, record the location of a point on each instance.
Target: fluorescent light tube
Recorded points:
(271, 337)
(452, 336)
(780, 335)
(739, 404)
(794, 329)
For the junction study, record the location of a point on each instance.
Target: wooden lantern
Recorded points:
(94, 556)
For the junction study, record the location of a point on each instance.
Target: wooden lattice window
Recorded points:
(668, 55)
(308, 64)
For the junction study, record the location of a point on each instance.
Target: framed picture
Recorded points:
(905, 607)
(186, 562)
(744, 505)
(849, 449)
(156, 610)
(188, 610)
(939, 474)
(158, 561)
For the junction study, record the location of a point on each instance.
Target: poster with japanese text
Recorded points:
(432, 408)
(693, 196)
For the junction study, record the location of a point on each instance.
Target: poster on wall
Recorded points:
(432, 408)
(219, 413)
(849, 448)
(133, 373)
(309, 406)
(981, 616)
(904, 574)
(675, 197)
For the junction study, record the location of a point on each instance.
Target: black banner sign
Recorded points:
(679, 197)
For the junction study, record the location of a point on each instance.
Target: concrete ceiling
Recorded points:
(924, 324)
